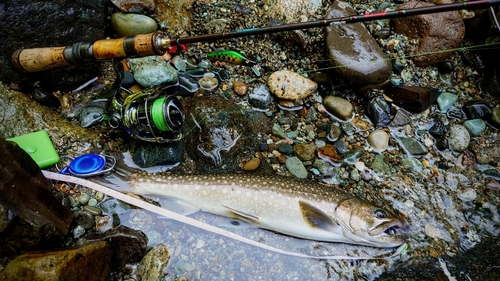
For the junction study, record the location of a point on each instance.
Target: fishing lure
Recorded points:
(232, 57)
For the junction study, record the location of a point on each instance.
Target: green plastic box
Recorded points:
(39, 146)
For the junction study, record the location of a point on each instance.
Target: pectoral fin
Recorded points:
(239, 215)
(315, 217)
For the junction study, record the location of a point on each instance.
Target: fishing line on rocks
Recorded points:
(198, 224)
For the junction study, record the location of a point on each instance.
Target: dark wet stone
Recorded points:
(477, 110)
(264, 147)
(44, 97)
(439, 31)
(220, 134)
(91, 115)
(146, 154)
(438, 129)
(382, 34)
(341, 147)
(127, 245)
(401, 118)
(285, 148)
(39, 220)
(442, 143)
(494, 119)
(412, 98)
(91, 262)
(398, 67)
(478, 263)
(46, 23)
(354, 48)
(378, 111)
(84, 219)
(446, 67)
(413, 146)
(260, 97)
(128, 79)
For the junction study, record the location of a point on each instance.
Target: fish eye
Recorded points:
(380, 214)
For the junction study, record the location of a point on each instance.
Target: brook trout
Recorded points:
(298, 208)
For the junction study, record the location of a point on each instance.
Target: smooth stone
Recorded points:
(260, 97)
(278, 131)
(289, 85)
(84, 198)
(412, 163)
(85, 219)
(240, 88)
(475, 127)
(341, 147)
(486, 153)
(295, 167)
(90, 262)
(152, 266)
(93, 210)
(353, 48)
(305, 151)
(477, 109)
(494, 119)
(412, 98)
(127, 24)
(148, 154)
(467, 195)
(459, 138)
(378, 111)
(436, 32)
(446, 100)
(285, 148)
(378, 140)
(339, 107)
(334, 133)
(413, 146)
(152, 71)
(438, 129)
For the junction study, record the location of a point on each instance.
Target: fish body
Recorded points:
(232, 57)
(302, 209)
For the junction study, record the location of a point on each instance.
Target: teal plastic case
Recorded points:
(39, 146)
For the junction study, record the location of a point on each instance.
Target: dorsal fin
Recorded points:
(315, 217)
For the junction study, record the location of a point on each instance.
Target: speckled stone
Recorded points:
(339, 107)
(459, 138)
(289, 85)
(152, 266)
(305, 151)
(378, 140)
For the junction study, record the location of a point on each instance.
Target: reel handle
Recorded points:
(39, 59)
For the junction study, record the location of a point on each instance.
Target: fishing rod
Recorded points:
(157, 43)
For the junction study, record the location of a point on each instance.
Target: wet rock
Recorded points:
(328, 154)
(378, 140)
(378, 164)
(436, 32)
(220, 134)
(412, 98)
(91, 262)
(477, 109)
(334, 133)
(84, 219)
(152, 71)
(339, 107)
(251, 165)
(459, 138)
(305, 151)
(401, 118)
(467, 195)
(134, 5)
(295, 167)
(486, 153)
(413, 146)
(128, 24)
(153, 265)
(36, 24)
(412, 164)
(289, 85)
(147, 154)
(352, 47)
(260, 97)
(446, 100)
(208, 82)
(494, 119)
(341, 147)
(378, 111)
(475, 127)
(39, 220)
(285, 148)
(438, 128)
(278, 131)
(91, 115)
(127, 245)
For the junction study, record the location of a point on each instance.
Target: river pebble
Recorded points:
(127, 24)
(305, 151)
(475, 127)
(378, 140)
(152, 71)
(467, 195)
(495, 117)
(278, 131)
(296, 168)
(446, 100)
(152, 266)
(83, 199)
(289, 85)
(412, 164)
(240, 88)
(413, 146)
(459, 138)
(339, 107)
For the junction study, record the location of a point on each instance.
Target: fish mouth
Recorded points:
(391, 228)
